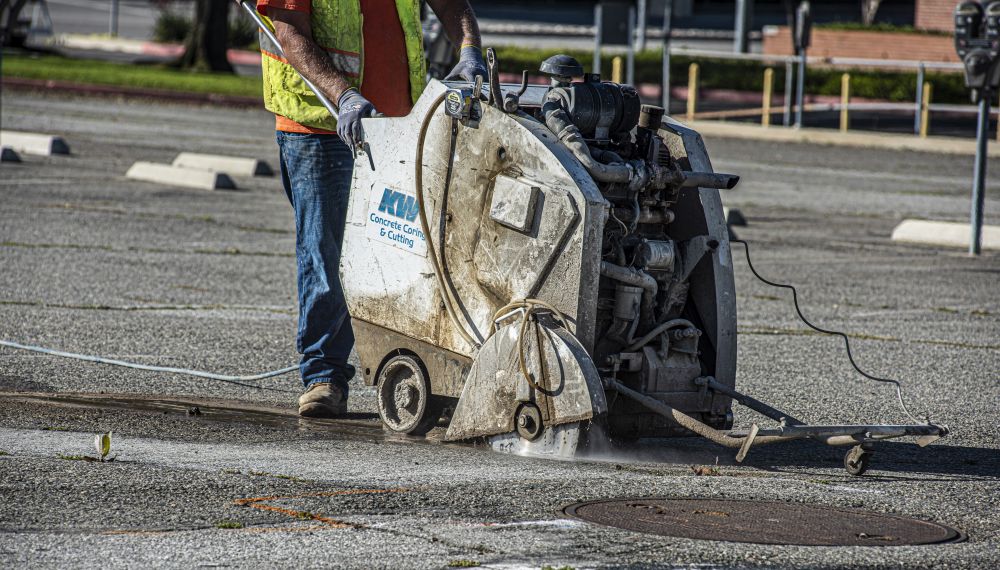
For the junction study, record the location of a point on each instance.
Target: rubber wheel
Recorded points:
(857, 463)
(403, 393)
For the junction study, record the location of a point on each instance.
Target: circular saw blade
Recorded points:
(556, 442)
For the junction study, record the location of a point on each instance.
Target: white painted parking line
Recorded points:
(34, 143)
(175, 176)
(232, 165)
(949, 234)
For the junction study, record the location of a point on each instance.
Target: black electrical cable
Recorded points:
(847, 340)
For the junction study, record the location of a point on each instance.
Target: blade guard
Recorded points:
(495, 386)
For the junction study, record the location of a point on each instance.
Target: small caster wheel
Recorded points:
(857, 460)
(405, 402)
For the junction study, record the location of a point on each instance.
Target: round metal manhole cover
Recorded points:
(762, 522)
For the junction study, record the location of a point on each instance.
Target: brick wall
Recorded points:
(873, 45)
(935, 15)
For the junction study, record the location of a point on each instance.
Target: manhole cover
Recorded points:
(761, 522)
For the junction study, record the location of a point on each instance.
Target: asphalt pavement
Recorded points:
(99, 264)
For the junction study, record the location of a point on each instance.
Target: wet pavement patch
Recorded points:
(762, 522)
(358, 425)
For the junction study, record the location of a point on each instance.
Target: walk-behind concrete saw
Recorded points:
(532, 262)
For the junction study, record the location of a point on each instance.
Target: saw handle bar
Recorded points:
(267, 31)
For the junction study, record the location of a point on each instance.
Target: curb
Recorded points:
(70, 87)
(938, 145)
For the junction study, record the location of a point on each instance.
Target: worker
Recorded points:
(368, 57)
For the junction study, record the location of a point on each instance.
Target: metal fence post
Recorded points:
(744, 17)
(668, 16)
(925, 110)
(692, 101)
(113, 19)
(640, 37)
(786, 118)
(765, 116)
(630, 54)
(801, 95)
(979, 177)
(920, 97)
(596, 67)
(845, 100)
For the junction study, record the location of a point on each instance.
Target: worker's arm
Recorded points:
(293, 29)
(462, 29)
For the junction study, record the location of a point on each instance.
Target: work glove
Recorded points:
(470, 64)
(353, 107)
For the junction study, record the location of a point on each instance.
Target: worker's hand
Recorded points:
(470, 64)
(353, 107)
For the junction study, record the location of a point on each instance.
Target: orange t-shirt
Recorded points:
(386, 73)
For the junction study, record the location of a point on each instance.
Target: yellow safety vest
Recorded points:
(337, 28)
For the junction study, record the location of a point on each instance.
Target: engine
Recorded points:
(650, 336)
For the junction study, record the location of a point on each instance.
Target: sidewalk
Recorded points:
(859, 139)
(141, 47)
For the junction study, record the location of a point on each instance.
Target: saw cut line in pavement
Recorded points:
(762, 522)
(261, 504)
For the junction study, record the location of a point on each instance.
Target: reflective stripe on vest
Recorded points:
(337, 29)
(347, 62)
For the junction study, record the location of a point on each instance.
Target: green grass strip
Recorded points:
(715, 73)
(153, 76)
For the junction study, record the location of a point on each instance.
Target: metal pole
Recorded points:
(252, 11)
(741, 30)
(630, 54)
(979, 176)
(668, 16)
(800, 97)
(640, 39)
(786, 118)
(598, 13)
(920, 99)
(113, 19)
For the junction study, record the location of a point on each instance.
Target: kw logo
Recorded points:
(398, 204)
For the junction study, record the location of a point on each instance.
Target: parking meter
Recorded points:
(977, 41)
(803, 26)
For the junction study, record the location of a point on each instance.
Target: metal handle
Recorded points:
(252, 11)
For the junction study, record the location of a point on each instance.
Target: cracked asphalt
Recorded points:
(98, 264)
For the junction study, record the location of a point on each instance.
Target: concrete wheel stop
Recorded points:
(34, 143)
(231, 165)
(8, 154)
(178, 176)
(948, 234)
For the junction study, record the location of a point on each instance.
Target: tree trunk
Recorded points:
(205, 47)
(868, 10)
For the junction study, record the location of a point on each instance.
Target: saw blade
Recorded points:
(556, 442)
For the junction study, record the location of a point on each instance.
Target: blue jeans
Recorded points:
(316, 173)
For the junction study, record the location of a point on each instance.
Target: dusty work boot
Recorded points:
(322, 400)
